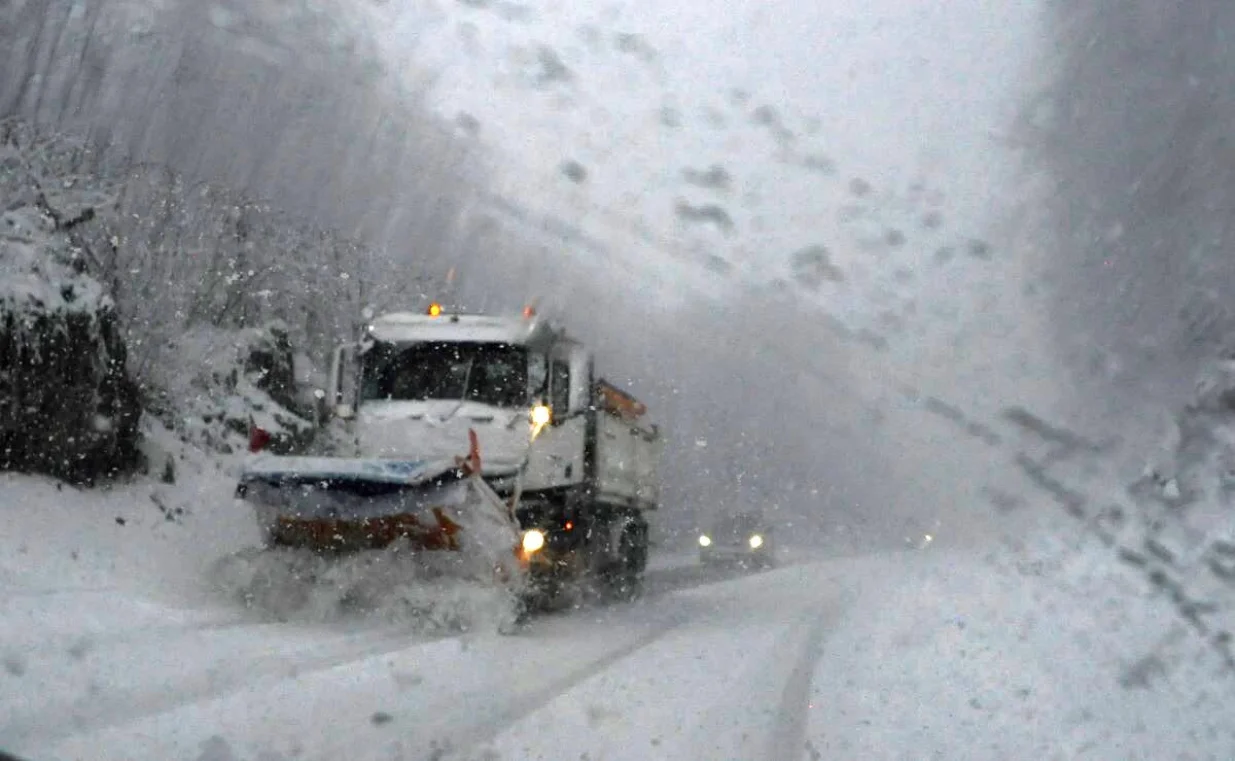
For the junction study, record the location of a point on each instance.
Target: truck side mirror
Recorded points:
(342, 379)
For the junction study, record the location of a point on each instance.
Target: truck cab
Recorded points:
(414, 385)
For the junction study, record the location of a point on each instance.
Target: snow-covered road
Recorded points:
(660, 678)
(117, 644)
(888, 656)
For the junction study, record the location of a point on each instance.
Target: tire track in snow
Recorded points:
(662, 583)
(523, 704)
(668, 581)
(91, 712)
(789, 736)
(16, 593)
(93, 642)
(113, 708)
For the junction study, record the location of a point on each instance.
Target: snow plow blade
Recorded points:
(329, 504)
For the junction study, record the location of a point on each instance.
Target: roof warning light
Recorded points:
(435, 309)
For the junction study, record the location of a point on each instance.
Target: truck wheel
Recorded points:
(543, 595)
(520, 616)
(624, 586)
(626, 579)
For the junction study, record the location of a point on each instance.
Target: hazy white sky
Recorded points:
(896, 83)
(897, 86)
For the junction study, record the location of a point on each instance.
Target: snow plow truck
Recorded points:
(482, 443)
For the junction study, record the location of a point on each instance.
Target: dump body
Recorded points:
(627, 451)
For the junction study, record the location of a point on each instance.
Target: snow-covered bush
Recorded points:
(67, 405)
(217, 383)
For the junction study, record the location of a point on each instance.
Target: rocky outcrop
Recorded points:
(67, 405)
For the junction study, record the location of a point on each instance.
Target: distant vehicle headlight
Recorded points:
(756, 542)
(705, 541)
(533, 540)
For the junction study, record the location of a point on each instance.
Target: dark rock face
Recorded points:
(67, 408)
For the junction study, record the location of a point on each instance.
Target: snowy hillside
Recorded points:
(876, 206)
(1130, 129)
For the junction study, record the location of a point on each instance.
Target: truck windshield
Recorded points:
(488, 373)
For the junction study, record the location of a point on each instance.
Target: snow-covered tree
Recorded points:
(68, 407)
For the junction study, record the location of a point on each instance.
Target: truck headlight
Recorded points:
(533, 540)
(541, 415)
(756, 542)
(705, 541)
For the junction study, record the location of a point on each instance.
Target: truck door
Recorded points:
(557, 459)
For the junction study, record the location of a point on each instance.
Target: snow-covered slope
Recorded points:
(850, 160)
(148, 536)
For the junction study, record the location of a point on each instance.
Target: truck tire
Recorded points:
(626, 579)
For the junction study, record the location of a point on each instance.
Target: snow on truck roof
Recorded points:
(397, 327)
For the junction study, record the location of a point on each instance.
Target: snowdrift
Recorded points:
(1184, 499)
(72, 553)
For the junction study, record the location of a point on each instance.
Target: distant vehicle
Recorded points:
(744, 538)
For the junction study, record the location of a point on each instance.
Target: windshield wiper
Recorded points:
(467, 379)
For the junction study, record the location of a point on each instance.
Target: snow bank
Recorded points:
(977, 658)
(77, 564)
(143, 534)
